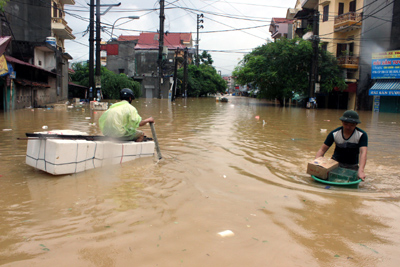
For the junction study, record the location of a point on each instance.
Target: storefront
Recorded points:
(386, 89)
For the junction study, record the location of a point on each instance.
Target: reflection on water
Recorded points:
(238, 165)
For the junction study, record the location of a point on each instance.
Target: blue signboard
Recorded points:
(385, 69)
(386, 65)
(381, 92)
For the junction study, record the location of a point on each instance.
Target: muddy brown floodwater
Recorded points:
(238, 166)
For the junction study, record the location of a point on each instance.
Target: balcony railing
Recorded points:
(348, 62)
(348, 20)
(60, 25)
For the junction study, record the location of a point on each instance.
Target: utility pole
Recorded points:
(173, 93)
(160, 49)
(185, 63)
(197, 41)
(91, 49)
(314, 62)
(98, 62)
(95, 84)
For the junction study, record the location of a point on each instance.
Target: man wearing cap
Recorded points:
(121, 120)
(351, 144)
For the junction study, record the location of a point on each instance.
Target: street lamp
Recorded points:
(129, 17)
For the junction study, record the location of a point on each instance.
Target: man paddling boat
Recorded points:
(122, 119)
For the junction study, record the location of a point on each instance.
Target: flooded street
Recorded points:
(238, 166)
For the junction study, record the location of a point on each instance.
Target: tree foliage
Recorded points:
(280, 69)
(202, 79)
(3, 3)
(203, 58)
(111, 83)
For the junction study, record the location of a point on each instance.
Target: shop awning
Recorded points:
(385, 88)
(4, 40)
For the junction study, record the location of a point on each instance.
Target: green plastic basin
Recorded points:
(353, 184)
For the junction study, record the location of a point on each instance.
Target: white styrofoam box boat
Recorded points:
(64, 156)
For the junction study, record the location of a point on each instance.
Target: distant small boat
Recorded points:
(65, 151)
(221, 99)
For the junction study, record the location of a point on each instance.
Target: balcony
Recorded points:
(310, 4)
(59, 26)
(276, 34)
(348, 62)
(348, 22)
(68, 2)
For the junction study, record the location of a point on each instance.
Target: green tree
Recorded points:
(111, 83)
(280, 69)
(3, 3)
(202, 79)
(203, 58)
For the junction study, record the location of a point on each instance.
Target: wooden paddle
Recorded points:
(153, 131)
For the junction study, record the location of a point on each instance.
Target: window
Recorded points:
(324, 46)
(121, 71)
(341, 9)
(352, 7)
(55, 9)
(346, 49)
(325, 16)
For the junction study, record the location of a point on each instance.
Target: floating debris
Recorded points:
(226, 233)
(369, 248)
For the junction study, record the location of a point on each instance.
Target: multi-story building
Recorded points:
(352, 30)
(39, 30)
(281, 27)
(337, 23)
(340, 32)
(380, 33)
(230, 84)
(137, 56)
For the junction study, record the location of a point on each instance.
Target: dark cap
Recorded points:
(350, 116)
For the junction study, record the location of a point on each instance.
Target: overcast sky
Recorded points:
(231, 28)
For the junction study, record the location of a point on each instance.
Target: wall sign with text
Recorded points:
(386, 65)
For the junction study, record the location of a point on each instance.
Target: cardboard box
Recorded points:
(321, 167)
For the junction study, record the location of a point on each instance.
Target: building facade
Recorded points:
(380, 33)
(352, 31)
(137, 56)
(281, 27)
(38, 30)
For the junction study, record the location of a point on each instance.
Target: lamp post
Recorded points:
(129, 17)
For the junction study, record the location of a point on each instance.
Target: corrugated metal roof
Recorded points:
(17, 61)
(385, 88)
(149, 40)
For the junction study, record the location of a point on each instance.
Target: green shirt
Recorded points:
(120, 120)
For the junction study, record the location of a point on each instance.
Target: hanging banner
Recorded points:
(3, 66)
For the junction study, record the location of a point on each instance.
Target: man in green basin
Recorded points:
(351, 144)
(121, 120)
